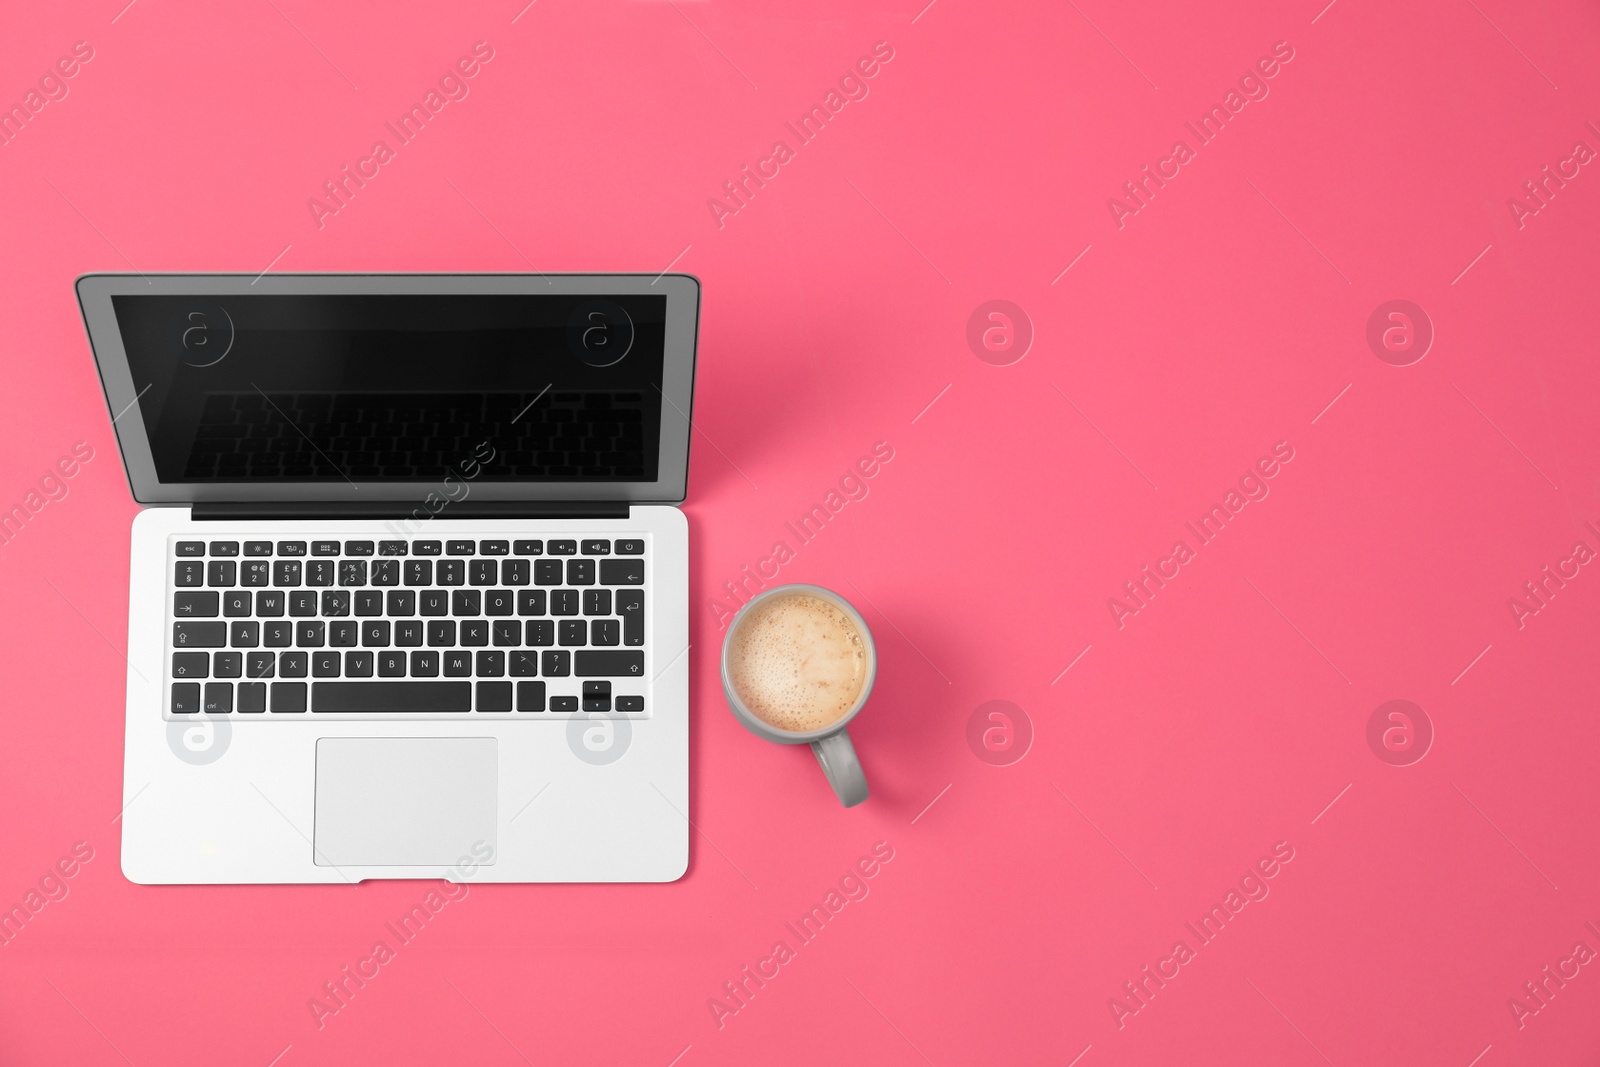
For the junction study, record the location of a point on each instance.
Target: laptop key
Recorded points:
(189, 573)
(391, 548)
(419, 572)
(491, 664)
(185, 698)
(385, 572)
(452, 572)
(442, 633)
(597, 602)
(290, 697)
(507, 633)
(497, 602)
(564, 602)
(541, 632)
(343, 634)
(494, 696)
(236, 604)
(433, 602)
(483, 572)
(256, 572)
(191, 548)
(325, 664)
(375, 634)
(286, 572)
(581, 571)
(466, 602)
(493, 548)
(191, 664)
(605, 632)
(401, 602)
(277, 634)
(252, 698)
(596, 548)
(547, 572)
(630, 546)
(292, 664)
(424, 664)
(245, 635)
(260, 665)
(524, 664)
(608, 663)
(358, 548)
(528, 548)
(564, 704)
(303, 602)
(630, 605)
(291, 548)
(218, 699)
(369, 602)
(391, 664)
(425, 548)
(228, 664)
(311, 634)
(358, 664)
(573, 632)
(408, 633)
(458, 664)
(514, 572)
(632, 703)
(460, 548)
(475, 632)
(336, 603)
(530, 602)
(195, 605)
(200, 634)
(352, 572)
(224, 548)
(221, 572)
(555, 664)
(562, 548)
(269, 604)
(324, 548)
(319, 572)
(391, 696)
(258, 548)
(622, 571)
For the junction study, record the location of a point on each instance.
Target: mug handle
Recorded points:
(839, 762)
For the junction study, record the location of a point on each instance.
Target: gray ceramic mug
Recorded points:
(831, 743)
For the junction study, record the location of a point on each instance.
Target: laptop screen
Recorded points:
(286, 388)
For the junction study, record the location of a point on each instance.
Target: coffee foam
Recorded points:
(798, 662)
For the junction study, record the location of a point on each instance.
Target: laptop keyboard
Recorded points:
(407, 627)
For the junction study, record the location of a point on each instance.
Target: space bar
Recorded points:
(391, 696)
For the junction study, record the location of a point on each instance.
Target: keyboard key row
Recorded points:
(404, 633)
(416, 663)
(631, 546)
(340, 603)
(218, 698)
(354, 573)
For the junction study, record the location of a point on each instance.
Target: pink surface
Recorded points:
(1172, 748)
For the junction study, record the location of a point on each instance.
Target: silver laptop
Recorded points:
(409, 591)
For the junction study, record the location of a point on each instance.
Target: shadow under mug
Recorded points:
(831, 743)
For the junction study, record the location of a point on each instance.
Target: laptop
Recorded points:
(409, 588)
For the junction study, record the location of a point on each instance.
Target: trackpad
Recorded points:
(405, 801)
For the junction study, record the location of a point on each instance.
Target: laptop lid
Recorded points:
(366, 388)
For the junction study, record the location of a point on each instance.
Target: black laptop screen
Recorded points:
(406, 388)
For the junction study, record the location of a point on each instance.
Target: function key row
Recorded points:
(354, 573)
(633, 546)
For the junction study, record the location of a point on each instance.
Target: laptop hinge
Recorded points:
(410, 510)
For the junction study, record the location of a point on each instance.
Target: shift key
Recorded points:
(607, 663)
(199, 635)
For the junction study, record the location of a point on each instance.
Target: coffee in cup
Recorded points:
(798, 662)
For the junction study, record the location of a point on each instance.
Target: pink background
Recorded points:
(1223, 718)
